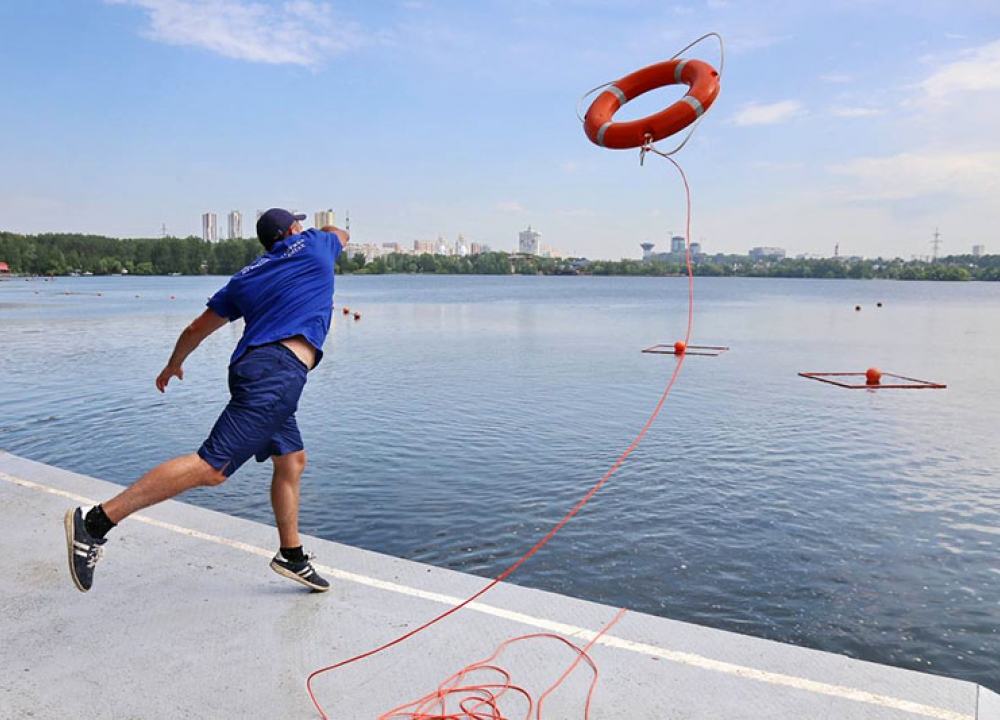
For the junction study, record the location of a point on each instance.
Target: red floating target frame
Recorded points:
(682, 348)
(872, 379)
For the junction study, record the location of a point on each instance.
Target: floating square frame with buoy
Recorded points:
(871, 379)
(682, 348)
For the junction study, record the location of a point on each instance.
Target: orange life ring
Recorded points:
(700, 76)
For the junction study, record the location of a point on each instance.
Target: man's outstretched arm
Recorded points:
(343, 235)
(199, 329)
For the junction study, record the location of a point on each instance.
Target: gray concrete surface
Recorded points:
(185, 620)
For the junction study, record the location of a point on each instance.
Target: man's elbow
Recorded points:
(202, 327)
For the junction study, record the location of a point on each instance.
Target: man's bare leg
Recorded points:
(85, 547)
(285, 496)
(291, 561)
(163, 482)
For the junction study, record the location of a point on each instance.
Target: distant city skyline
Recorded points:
(528, 240)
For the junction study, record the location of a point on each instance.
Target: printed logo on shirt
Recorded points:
(255, 264)
(294, 248)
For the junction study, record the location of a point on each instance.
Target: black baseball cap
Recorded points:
(273, 224)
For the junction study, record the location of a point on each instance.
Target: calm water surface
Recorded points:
(463, 416)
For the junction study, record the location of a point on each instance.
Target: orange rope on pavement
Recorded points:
(481, 700)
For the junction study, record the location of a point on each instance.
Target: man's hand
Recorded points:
(199, 329)
(341, 234)
(168, 372)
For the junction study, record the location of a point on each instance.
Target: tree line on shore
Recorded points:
(66, 253)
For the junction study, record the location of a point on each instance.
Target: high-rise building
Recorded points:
(424, 246)
(209, 227)
(235, 225)
(369, 250)
(677, 245)
(978, 250)
(528, 241)
(324, 218)
(441, 247)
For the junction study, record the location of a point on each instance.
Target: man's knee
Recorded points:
(293, 461)
(210, 476)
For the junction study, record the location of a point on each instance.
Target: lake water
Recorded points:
(462, 417)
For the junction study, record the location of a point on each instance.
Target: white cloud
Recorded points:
(511, 207)
(745, 41)
(915, 174)
(979, 72)
(772, 114)
(301, 32)
(857, 112)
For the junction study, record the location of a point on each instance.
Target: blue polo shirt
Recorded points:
(287, 292)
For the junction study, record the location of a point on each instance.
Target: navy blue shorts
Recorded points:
(264, 387)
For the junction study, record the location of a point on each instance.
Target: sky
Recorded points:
(851, 126)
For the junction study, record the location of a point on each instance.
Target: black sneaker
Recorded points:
(84, 551)
(302, 572)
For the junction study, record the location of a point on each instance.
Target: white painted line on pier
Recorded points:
(683, 658)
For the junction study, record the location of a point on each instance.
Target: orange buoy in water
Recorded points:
(873, 376)
(347, 311)
(357, 316)
(679, 347)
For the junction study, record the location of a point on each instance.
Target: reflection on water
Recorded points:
(464, 416)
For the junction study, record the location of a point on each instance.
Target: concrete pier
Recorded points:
(185, 620)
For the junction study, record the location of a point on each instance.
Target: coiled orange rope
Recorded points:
(481, 700)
